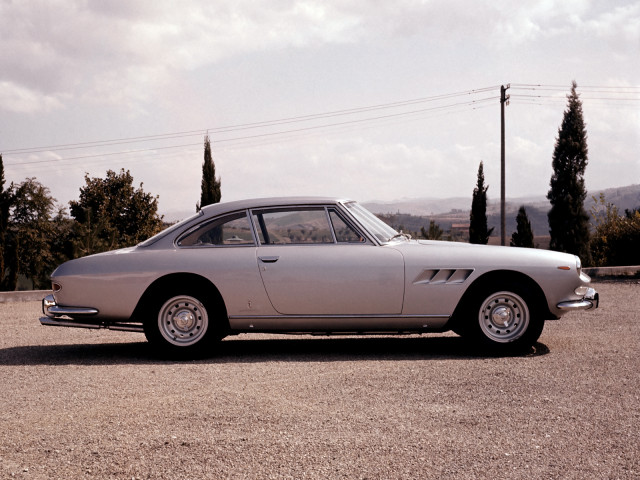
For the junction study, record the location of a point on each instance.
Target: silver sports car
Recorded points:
(314, 265)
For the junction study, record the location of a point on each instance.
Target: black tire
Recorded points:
(503, 319)
(181, 325)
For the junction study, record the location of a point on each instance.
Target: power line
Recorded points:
(563, 99)
(390, 113)
(580, 87)
(146, 155)
(471, 103)
(245, 126)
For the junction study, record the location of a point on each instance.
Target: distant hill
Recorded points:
(412, 214)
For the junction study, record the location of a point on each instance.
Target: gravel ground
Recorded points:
(98, 404)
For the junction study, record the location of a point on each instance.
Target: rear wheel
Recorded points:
(182, 325)
(503, 320)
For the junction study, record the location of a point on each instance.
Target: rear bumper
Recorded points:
(79, 317)
(589, 301)
(52, 310)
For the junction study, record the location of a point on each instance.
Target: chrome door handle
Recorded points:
(273, 259)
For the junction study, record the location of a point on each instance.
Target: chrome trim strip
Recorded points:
(58, 311)
(193, 228)
(125, 327)
(60, 322)
(333, 317)
(57, 322)
(337, 323)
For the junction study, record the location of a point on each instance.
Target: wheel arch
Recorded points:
(500, 277)
(182, 282)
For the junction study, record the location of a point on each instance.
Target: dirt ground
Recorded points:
(97, 404)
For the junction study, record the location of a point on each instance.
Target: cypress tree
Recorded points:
(523, 236)
(568, 220)
(5, 200)
(478, 232)
(210, 191)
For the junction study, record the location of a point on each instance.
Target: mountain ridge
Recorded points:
(409, 214)
(627, 197)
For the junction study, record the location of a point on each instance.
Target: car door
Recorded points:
(223, 249)
(309, 266)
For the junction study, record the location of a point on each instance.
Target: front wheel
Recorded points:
(503, 320)
(504, 317)
(182, 326)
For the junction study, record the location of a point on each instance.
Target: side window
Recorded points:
(344, 232)
(293, 226)
(232, 229)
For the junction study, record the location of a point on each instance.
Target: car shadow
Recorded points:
(243, 349)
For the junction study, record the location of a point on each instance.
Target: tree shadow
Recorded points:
(244, 349)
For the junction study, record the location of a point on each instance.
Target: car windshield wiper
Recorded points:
(401, 234)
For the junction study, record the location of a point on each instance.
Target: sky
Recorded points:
(369, 100)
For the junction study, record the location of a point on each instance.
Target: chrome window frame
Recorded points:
(347, 221)
(211, 220)
(372, 238)
(336, 207)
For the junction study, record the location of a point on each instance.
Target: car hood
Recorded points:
(490, 255)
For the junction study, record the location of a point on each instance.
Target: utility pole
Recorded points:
(504, 99)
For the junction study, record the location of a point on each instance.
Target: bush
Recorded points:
(616, 238)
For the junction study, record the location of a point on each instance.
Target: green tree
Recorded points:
(210, 190)
(62, 242)
(111, 213)
(568, 220)
(523, 236)
(30, 233)
(616, 237)
(478, 232)
(434, 232)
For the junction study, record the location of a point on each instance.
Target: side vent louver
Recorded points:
(439, 276)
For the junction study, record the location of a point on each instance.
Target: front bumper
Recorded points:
(589, 301)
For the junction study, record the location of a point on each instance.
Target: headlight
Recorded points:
(578, 265)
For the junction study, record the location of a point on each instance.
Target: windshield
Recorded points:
(383, 232)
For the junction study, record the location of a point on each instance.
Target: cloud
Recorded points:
(18, 99)
(122, 52)
(619, 26)
(358, 167)
(110, 69)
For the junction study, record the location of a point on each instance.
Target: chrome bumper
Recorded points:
(57, 316)
(590, 300)
(52, 310)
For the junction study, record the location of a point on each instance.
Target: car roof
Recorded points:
(224, 207)
(221, 207)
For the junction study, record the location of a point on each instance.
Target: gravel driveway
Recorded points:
(97, 404)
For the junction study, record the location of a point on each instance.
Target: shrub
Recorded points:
(616, 238)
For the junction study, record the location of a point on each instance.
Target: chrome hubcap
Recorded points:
(504, 317)
(183, 320)
(501, 316)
